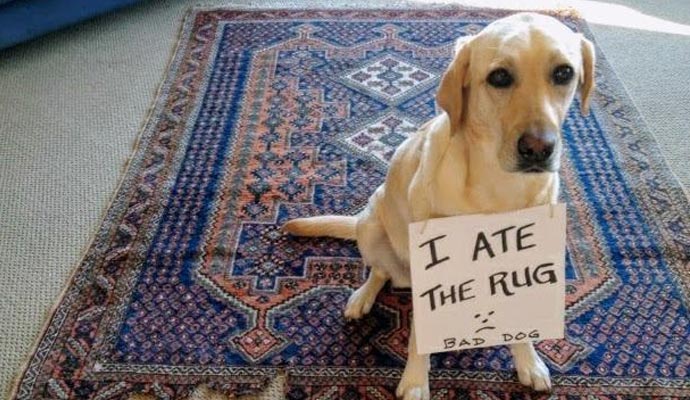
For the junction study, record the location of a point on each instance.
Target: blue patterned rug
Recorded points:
(270, 115)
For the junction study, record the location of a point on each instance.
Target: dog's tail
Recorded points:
(337, 226)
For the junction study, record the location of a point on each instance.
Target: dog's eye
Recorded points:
(500, 78)
(562, 74)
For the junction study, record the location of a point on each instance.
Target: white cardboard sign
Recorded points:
(486, 280)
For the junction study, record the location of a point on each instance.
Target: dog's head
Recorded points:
(511, 86)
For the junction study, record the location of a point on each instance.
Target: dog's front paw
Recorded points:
(408, 390)
(359, 304)
(534, 374)
(414, 384)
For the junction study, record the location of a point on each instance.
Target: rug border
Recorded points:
(109, 211)
(112, 209)
(659, 165)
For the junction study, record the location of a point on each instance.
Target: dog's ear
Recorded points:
(587, 76)
(454, 81)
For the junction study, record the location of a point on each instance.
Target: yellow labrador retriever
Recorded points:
(496, 148)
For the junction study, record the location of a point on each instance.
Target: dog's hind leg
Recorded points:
(363, 299)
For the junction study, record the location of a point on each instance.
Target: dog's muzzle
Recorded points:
(535, 152)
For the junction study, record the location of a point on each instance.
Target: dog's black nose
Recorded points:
(536, 148)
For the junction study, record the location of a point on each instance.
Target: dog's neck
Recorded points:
(481, 185)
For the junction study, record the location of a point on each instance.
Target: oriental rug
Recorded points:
(270, 115)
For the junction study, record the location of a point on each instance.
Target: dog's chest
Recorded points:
(491, 196)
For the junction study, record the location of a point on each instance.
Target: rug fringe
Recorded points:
(272, 388)
(566, 12)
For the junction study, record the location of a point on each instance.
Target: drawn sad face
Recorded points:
(484, 323)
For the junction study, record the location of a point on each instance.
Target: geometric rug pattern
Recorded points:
(270, 115)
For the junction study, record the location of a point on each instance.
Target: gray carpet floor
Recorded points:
(72, 102)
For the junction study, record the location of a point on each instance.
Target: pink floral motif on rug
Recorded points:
(270, 115)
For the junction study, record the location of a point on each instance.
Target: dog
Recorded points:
(495, 148)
